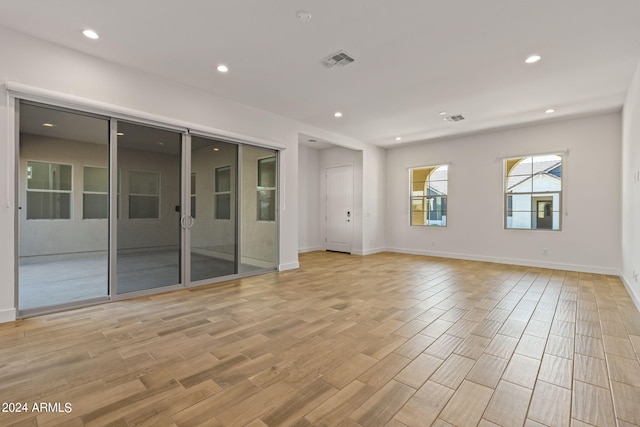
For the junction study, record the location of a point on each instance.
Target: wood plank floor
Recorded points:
(381, 340)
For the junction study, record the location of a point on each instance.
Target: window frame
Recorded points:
(217, 193)
(85, 192)
(425, 198)
(37, 190)
(508, 210)
(273, 190)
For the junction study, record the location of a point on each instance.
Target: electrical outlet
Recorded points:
(635, 276)
(545, 251)
(433, 243)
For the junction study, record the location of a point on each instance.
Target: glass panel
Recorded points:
(144, 183)
(48, 176)
(148, 253)
(259, 209)
(267, 172)
(223, 206)
(437, 188)
(519, 184)
(266, 205)
(145, 207)
(60, 261)
(546, 182)
(521, 212)
(96, 179)
(223, 179)
(213, 242)
(95, 206)
(48, 205)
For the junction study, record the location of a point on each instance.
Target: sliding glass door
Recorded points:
(63, 207)
(148, 207)
(111, 208)
(259, 209)
(213, 209)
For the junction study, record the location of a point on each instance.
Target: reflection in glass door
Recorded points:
(148, 227)
(213, 231)
(259, 209)
(107, 206)
(63, 207)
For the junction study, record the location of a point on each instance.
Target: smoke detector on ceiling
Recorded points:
(454, 118)
(338, 59)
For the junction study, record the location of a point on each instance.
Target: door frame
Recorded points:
(327, 208)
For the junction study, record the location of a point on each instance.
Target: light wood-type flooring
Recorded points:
(381, 340)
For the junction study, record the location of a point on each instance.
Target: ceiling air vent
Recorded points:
(338, 59)
(455, 118)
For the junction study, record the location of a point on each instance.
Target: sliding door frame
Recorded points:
(18, 93)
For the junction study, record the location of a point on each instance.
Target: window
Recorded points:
(429, 188)
(95, 194)
(144, 195)
(533, 189)
(267, 189)
(48, 190)
(223, 193)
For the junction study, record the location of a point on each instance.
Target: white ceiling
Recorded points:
(413, 58)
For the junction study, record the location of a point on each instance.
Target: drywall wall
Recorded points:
(630, 270)
(309, 237)
(45, 65)
(590, 235)
(374, 199)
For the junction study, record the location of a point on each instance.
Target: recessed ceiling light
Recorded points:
(549, 111)
(160, 143)
(48, 125)
(398, 138)
(303, 16)
(91, 34)
(120, 133)
(443, 113)
(337, 114)
(223, 68)
(532, 59)
(216, 149)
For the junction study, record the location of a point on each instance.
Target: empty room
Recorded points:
(279, 213)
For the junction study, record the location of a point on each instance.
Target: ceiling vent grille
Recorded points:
(338, 59)
(456, 118)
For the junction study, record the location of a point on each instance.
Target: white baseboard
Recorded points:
(633, 293)
(512, 261)
(369, 251)
(7, 315)
(310, 249)
(289, 266)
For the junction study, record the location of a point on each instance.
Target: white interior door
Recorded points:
(339, 215)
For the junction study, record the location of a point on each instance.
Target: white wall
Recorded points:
(631, 191)
(374, 203)
(41, 64)
(589, 240)
(309, 237)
